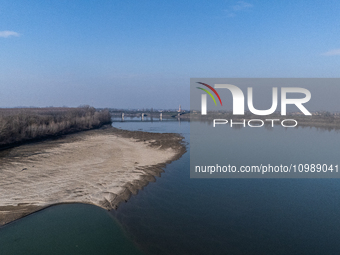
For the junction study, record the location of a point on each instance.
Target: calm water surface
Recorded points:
(179, 215)
(66, 229)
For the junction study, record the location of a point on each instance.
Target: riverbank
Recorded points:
(101, 167)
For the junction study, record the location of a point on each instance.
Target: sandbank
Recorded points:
(102, 167)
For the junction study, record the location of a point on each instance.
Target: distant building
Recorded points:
(179, 109)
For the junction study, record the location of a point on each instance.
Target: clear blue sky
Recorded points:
(135, 54)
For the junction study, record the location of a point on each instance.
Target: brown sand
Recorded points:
(100, 167)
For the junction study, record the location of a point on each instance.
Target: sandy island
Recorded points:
(100, 167)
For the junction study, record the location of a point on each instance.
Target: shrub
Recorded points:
(23, 124)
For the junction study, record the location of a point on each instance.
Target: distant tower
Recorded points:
(179, 109)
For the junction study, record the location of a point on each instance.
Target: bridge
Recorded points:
(149, 115)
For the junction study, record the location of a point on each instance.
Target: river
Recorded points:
(180, 215)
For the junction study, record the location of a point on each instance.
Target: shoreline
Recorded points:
(102, 167)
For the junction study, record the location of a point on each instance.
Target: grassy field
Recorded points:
(23, 124)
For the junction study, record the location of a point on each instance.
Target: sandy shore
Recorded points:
(101, 167)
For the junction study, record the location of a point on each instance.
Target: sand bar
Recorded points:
(100, 167)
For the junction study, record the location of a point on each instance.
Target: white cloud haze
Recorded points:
(332, 52)
(240, 6)
(6, 34)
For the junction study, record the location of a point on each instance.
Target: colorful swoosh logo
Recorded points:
(208, 92)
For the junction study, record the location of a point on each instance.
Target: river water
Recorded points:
(179, 215)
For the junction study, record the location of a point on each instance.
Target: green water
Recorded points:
(66, 229)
